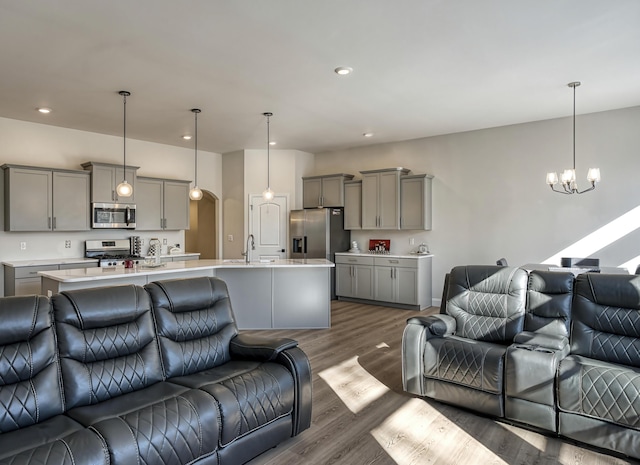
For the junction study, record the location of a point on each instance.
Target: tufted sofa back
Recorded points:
(195, 323)
(30, 390)
(549, 297)
(107, 343)
(606, 318)
(488, 302)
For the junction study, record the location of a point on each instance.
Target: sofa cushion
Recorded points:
(178, 429)
(488, 302)
(58, 440)
(600, 390)
(606, 318)
(195, 323)
(478, 365)
(30, 390)
(549, 297)
(107, 343)
(250, 395)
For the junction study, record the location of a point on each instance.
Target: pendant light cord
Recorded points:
(124, 94)
(196, 145)
(268, 154)
(574, 127)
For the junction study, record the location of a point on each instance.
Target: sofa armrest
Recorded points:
(438, 325)
(259, 348)
(543, 341)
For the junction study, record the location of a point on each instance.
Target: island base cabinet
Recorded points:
(251, 294)
(302, 311)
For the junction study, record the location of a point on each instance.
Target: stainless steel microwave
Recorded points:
(113, 215)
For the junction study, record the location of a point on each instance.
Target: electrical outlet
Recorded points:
(412, 241)
(67, 244)
(164, 241)
(23, 246)
(230, 237)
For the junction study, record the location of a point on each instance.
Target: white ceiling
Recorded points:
(421, 67)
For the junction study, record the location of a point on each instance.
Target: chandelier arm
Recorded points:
(593, 186)
(558, 191)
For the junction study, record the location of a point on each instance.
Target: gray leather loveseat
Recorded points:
(154, 375)
(540, 349)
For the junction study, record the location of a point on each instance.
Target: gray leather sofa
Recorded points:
(540, 349)
(154, 375)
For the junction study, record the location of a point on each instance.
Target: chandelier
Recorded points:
(568, 178)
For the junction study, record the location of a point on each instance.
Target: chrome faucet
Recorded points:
(247, 254)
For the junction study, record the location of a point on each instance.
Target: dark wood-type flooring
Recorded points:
(362, 416)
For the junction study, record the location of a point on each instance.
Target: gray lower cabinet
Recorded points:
(42, 199)
(396, 280)
(399, 281)
(162, 204)
(24, 280)
(354, 277)
(105, 177)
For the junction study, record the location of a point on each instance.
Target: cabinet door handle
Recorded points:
(49, 222)
(54, 223)
(394, 261)
(113, 195)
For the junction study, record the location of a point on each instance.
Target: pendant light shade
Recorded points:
(124, 189)
(268, 194)
(195, 193)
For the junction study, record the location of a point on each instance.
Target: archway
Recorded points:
(202, 235)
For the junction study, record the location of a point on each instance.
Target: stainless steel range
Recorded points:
(111, 252)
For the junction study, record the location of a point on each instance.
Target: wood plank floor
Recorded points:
(362, 416)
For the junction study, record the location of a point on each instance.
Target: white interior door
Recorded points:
(269, 226)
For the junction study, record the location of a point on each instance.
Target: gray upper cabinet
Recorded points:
(353, 205)
(415, 201)
(381, 198)
(162, 204)
(105, 177)
(324, 191)
(41, 199)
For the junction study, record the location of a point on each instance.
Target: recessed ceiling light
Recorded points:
(343, 70)
(273, 142)
(368, 134)
(186, 137)
(44, 110)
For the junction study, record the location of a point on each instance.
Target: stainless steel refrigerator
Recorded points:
(318, 233)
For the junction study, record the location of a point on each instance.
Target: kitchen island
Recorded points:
(275, 294)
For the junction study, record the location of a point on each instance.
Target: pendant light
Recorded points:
(195, 193)
(124, 189)
(268, 193)
(568, 178)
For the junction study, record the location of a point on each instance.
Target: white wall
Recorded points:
(490, 199)
(34, 144)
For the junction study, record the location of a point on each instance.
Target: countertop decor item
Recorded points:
(380, 245)
(568, 178)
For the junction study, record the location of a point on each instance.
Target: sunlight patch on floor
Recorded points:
(353, 384)
(534, 439)
(382, 345)
(416, 431)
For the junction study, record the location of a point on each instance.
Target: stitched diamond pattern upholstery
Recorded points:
(30, 390)
(453, 359)
(107, 343)
(195, 323)
(488, 302)
(600, 390)
(606, 315)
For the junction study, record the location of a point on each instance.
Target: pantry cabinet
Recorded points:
(105, 177)
(44, 199)
(162, 204)
(324, 191)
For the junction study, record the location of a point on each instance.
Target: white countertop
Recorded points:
(93, 274)
(385, 255)
(48, 261)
